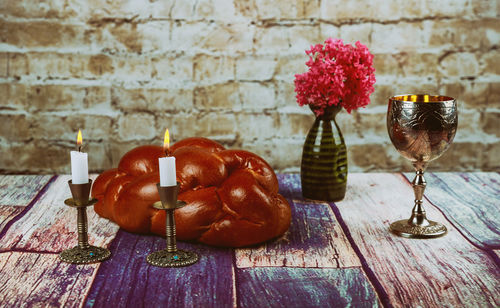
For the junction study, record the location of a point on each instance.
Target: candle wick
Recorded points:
(79, 148)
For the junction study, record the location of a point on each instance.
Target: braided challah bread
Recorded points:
(232, 195)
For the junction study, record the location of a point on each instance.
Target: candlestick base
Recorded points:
(179, 258)
(81, 255)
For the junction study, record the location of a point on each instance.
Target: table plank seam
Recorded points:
(382, 294)
(235, 281)
(28, 207)
(486, 248)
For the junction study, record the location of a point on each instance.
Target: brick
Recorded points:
(46, 9)
(492, 62)
(41, 34)
(13, 96)
(460, 156)
(280, 154)
(255, 68)
(459, 64)
(132, 36)
(97, 98)
(256, 126)
(371, 157)
(382, 93)
(213, 69)
(472, 94)
(100, 64)
(271, 40)
(342, 10)
(490, 122)
(16, 127)
(174, 68)
(328, 30)
(490, 157)
(288, 66)
(39, 156)
(357, 32)
(463, 33)
(291, 125)
(246, 8)
(285, 94)
(144, 99)
(219, 96)
(448, 8)
(468, 124)
(238, 37)
(257, 95)
(93, 127)
(136, 126)
(406, 64)
(403, 36)
(221, 10)
(18, 65)
(297, 9)
(215, 125)
(54, 65)
(301, 37)
(4, 60)
(126, 9)
(67, 97)
(133, 67)
(56, 97)
(191, 35)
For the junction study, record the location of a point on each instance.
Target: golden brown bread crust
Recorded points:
(232, 195)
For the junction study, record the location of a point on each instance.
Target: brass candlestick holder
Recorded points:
(83, 253)
(171, 256)
(421, 127)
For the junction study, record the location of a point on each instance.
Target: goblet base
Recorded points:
(165, 258)
(409, 230)
(84, 255)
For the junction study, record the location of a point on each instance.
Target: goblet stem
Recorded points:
(418, 216)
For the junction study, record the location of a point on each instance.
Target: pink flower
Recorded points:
(338, 74)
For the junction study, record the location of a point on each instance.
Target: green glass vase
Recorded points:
(323, 170)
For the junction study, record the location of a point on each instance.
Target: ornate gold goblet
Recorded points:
(421, 127)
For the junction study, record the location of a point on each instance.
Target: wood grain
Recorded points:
(19, 190)
(8, 213)
(447, 271)
(314, 239)
(35, 280)
(126, 280)
(50, 226)
(304, 287)
(471, 201)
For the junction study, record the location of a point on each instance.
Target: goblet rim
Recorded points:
(419, 99)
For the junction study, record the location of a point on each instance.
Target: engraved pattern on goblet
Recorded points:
(421, 127)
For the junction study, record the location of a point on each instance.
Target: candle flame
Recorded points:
(166, 142)
(79, 140)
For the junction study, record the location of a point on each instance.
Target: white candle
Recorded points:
(79, 164)
(167, 171)
(79, 168)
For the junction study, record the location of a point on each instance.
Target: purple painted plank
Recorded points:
(7, 214)
(126, 280)
(41, 280)
(314, 239)
(19, 190)
(51, 226)
(289, 186)
(471, 201)
(304, 287)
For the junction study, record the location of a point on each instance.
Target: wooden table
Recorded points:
(335, 254)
